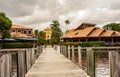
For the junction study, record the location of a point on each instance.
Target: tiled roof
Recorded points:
(96, 32)
(85, 25)
(20, 27)
(78, 33)
(107, 33)
(14, 35)
(83, 33)
(91, 32)
(47, 28)
(116, 33)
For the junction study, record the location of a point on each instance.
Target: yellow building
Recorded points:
(48, 33)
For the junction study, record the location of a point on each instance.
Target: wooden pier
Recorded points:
(53, 64)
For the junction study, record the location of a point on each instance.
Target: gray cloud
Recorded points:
(39, 13)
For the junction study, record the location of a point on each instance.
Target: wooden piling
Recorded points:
(79, 56)
(114, 63)
(69, 52)
(21, 64)
(73, 54)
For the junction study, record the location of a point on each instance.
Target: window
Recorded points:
(76, 33)
(25, 32)
(13, 30)
(47, 36)
(19, 30)
(29, 32)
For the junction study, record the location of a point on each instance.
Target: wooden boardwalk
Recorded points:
(52, 64)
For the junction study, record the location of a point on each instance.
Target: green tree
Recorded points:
(67, 22)
(56, 32)
(113, 26)
(5, 25)
(36, 33)
(41, 35)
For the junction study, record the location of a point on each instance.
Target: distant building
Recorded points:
(48, 33)
(88, 32)
(21, 31)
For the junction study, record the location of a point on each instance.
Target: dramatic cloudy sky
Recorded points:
(38, 14)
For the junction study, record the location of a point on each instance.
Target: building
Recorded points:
(48, 33)
(21, 31)
(89, 32)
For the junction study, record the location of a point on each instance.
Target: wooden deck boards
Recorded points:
(53, 64)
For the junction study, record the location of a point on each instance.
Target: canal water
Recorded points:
(101, 63)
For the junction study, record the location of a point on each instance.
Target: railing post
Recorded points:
(114, 62)
(65, 51)
(20, 64)
(73, 54)
(90, 62)
(69, 52)
(33, 56)
(5, 65)
(79, 56)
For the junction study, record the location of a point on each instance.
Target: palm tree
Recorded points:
(36, 33)
(56, 31)
(41, 34)
(67, 22)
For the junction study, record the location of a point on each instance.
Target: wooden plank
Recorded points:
(5, 65)
(52, 64)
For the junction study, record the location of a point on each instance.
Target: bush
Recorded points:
(92, 44)
(85, 44)
(70, 43)
(42, 41)
(17, 45)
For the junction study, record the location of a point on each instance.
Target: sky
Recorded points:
(39, 14)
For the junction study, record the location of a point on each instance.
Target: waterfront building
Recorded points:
(89, 32)
(48, 33)
(18, 31)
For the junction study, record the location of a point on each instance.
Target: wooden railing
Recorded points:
(22, 58)
(114, 57)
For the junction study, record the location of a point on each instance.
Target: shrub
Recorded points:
(85, 44)
(17, 45)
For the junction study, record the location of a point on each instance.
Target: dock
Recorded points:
(53, 64)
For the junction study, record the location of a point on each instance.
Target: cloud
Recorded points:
(38, 14)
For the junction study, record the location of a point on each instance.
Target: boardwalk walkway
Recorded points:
(52, 64)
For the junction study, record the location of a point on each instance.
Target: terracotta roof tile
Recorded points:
(84, 32)
(19, 27)
(48, 28)
(79, 33)
(107, 33)
(116, 33)
(96, 33)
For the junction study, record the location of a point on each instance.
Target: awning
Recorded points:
(26, 39)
